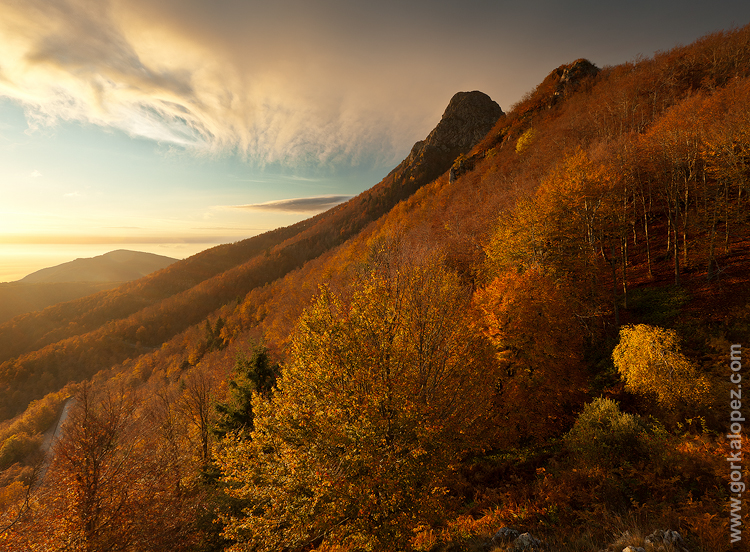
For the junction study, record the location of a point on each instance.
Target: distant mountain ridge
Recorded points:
(121, 265)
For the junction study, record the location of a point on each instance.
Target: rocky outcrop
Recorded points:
(467, 119)
(661, 540)
(570, 76)
(665, 539)
(525, 542)
(558, 85)
(507, 539)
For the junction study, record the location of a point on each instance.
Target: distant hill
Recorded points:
(116, 266)
(76, 279)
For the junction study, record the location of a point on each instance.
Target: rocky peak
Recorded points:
(570, 76)
(465, 122)
(467, 119)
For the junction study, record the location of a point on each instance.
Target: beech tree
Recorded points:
(651, 363)
(198, 387)
(382, 394)
(107, 487)
(538, 340)
(95, 462)
(726, 152)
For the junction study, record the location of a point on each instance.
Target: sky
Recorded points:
(173, 125)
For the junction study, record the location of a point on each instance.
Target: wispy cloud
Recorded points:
(184, 74)
(298, 205)
(327, 82)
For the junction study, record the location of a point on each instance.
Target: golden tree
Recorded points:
(111, 484)
(382, 395)
(651, 363)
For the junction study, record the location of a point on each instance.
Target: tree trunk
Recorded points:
(676, 259)
(684, 229)
(613, 264)
(648, 246)
(624, 253)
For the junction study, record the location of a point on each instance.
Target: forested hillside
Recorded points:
(17, 298)
(528, 328)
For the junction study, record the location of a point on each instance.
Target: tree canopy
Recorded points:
(381, 396)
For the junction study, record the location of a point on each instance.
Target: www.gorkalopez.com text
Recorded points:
(736, 421)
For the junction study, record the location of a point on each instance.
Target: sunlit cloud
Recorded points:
(35, 174)
(278, 93)
(299, 205)
(316, 83)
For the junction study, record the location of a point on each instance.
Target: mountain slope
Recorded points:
(573, 108)
(17, 298)
(116, 266)
(76, 339)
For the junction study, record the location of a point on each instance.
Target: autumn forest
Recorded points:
(527, 324)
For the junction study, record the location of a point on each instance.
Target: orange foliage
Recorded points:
(539, 343)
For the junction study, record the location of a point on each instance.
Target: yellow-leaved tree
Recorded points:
(650, 361)
(382, 394)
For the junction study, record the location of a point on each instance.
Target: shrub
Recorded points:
(525, 140)
(17, 448)
(604, 435)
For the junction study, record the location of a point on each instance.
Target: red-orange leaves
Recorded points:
(539, 343)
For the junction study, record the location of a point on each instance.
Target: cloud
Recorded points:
(35, 174)
(271, 83)
(299, 205)
(329, 83)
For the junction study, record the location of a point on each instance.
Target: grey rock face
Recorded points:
(504, 535)
(512, 540)
(467, 119)
(662, 537)
(570, 76)
(526, 542)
